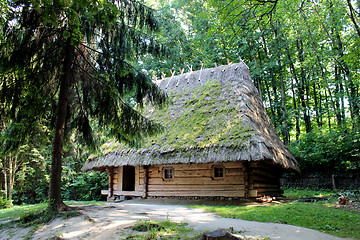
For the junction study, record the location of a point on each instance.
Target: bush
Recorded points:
(4, 203)
(85, 186)
(335, 151)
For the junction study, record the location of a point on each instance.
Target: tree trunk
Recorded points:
(56, 203)
(352, 10)
(285, 131)
(328, 111)
(299, 46)
(337, 96)
(316, 105)
(6, 183)
(296, 109)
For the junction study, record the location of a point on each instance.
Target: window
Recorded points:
(168, 173)
(218, 171)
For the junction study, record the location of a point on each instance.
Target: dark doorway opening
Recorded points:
(128, 178)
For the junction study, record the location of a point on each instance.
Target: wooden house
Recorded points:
(217, 141)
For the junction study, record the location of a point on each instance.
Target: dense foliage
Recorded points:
(329, 152)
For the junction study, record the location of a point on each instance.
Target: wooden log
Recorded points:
(128, 193)
(229, 172)
(259, 172)
(262, 179)
(196, 181)
(240, 193)
(196, 187)
(220, 234)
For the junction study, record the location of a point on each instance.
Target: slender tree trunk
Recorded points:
(258, 80)
(337, 96)
(296, 109)
(286, 135)
(320, 104)
(353, 17)
(5, 181)
(56, 203)
(11, 177)
(302, 86)
(328, 111)
(12, 173)
(273, 114)
(317, 114)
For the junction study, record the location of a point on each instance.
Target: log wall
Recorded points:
(196, 180)
(264, 179)
(240, 179)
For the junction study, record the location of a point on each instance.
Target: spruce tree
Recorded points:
(70, 62)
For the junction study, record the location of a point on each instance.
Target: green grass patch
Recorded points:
(303, 193)
(160, 230)
(16, 211)
(319, 216)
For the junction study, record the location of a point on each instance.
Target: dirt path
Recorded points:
(112, 221)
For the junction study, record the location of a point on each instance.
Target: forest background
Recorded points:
(303, 57)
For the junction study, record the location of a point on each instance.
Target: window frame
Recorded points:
(214, 171)
(165, 174)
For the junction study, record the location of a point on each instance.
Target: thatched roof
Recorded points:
(215, 115)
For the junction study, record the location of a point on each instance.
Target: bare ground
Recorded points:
(112, 221)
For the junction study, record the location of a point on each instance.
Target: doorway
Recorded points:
(128, 183)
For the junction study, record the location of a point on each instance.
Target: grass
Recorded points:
(319, 216)
(17, 211)
(160, 230)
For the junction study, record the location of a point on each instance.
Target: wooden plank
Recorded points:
(234, 171)
(253, 193)
(141, 181)
(196, 181)
(128, 193)
(196, 187)
(199, 173)
(260, 179)
(184, 173)
(198, 194)
(259, 172)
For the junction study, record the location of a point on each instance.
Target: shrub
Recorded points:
(4, 203)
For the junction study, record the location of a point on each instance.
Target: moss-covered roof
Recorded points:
(214, 115)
